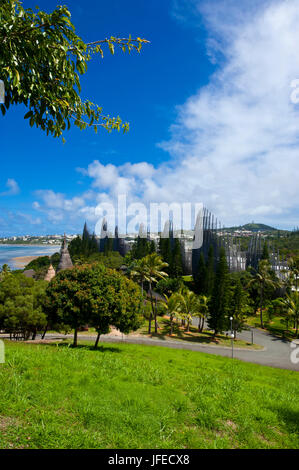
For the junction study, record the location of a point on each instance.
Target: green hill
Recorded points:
(254, 227)
(126, 396)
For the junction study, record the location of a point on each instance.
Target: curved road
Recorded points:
(276, 352)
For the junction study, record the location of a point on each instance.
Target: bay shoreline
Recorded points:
(21, 261)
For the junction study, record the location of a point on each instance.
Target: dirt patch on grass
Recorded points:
(231, 424)
(6, 422)
(43, 341)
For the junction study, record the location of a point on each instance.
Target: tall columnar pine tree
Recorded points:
(265, 253)
(238, 306)
(219, 303)
(200, 275)
(165, 250)
(85, 240)
(141, 248)
(210, 273)
(176, 261)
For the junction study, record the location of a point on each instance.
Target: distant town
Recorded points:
(242, 231)
(35, 240)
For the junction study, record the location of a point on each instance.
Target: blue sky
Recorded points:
(208, 101)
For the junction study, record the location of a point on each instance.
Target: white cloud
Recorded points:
(13, 188)
(234, 145)
(237, 139)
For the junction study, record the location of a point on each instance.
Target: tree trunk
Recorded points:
(75, 343)
(201, 322)
(33, 335)
(171, 325)
(150, 324)
(153, 312)
(97, 341)
(45, 331)
(156, 323)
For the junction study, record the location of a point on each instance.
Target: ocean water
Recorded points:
(8, 252)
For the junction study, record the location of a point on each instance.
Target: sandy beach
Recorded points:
(21, 261)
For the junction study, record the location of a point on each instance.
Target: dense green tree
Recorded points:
(95, 295)
(41, 59)
(4, 271)
(219, 303)
(21, 302)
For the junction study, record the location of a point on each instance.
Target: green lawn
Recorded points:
(179, 333)
(276, 325)
(129, 396)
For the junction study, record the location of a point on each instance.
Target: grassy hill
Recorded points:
(254, 227)
(129, 396)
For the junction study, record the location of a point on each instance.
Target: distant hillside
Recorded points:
(254, 227)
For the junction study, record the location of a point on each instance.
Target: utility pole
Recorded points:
(232, 335)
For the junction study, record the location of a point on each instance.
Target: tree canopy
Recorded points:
(93, 295)
(41, 59)
(21, 301)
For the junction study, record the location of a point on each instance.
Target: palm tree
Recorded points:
(203, 310)
(292, 305)
(188, 305)
(154, 266)
(263, 278)
(138, 271)
(170, 304)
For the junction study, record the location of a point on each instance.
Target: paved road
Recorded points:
(276, 352)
